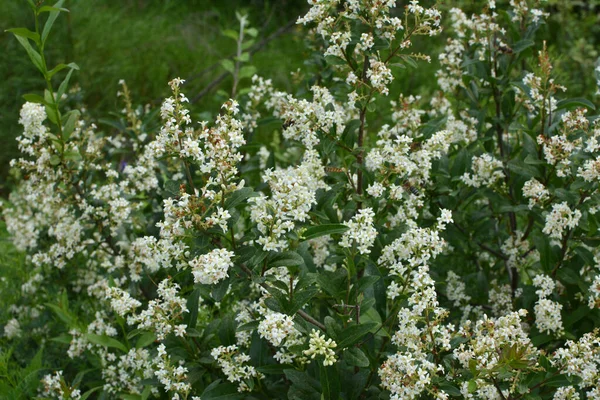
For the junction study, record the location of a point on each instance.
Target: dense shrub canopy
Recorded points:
(348, 240)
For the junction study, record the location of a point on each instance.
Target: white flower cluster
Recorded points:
(318, 346)
(420, 332)
(547, 312)
(536, 192)
(212, 267)
(333, 24)
(126, 373)
(582, 359)
(560, 218)
(55, 386)
(34, 132)
(594, 296)
(484, 348)
(487, 171)
(361, 232)
(233, 363)
(518, 251)
(121, 301)
(558, 150)
(12, 329)
(278, 329)
(538, 94)
(173, 378)
(293, 193)
(163, 313)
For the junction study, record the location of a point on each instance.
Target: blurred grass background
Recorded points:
(145, 42)
(149, 42)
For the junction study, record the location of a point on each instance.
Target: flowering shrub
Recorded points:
(435, 249)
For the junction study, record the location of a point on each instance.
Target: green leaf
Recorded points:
(230, 33)
(252, 32)
(171, 189)
(450, 389)
(301, 298)
(247, 71)
(51, 19)
(333, 283)
(60, 67)
(304, 381)
(354, 333)
(522, 45)
(50, 9)
(69, 126)
(228, 66)
(105, 341)
(330, 382)
(244, 57)
(62, 314)
(192, 305)
(35, 57)
(238, 197)
(355, 357)
(322, 230)
(286, 259)
(62, 89)
(578, 101)
(221, 391)
(90, 392)
(34, 98)
(25, 33)
(144, 340)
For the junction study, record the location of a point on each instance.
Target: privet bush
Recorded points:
(321, 246)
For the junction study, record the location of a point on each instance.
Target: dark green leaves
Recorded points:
(322, 230)
(105, 341)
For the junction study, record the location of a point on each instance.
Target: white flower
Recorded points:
(212, 267)
(362, 233)
(318, 346)
(560, 218)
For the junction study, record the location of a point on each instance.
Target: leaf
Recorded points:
(247, 71)
(62, 89)
(171, 189)
(25, 33)
(286, 259)
(228, 65)
(35, 57)
(34, 98)
(577, 101)
(322, 230)
(49, 9)
(450, 389)
(105, 341)
(230, 33)
(69, 126)
(51, 19)
(144, 340)
(354, 356)
(330, 382)
(192, 305)
(90, 392)
(301, 298)
(302, 380)
(60, 67)
(62, 314)
(238, 197)
(522, 45)
(252, 32)
(354, 333)
(333, 283)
